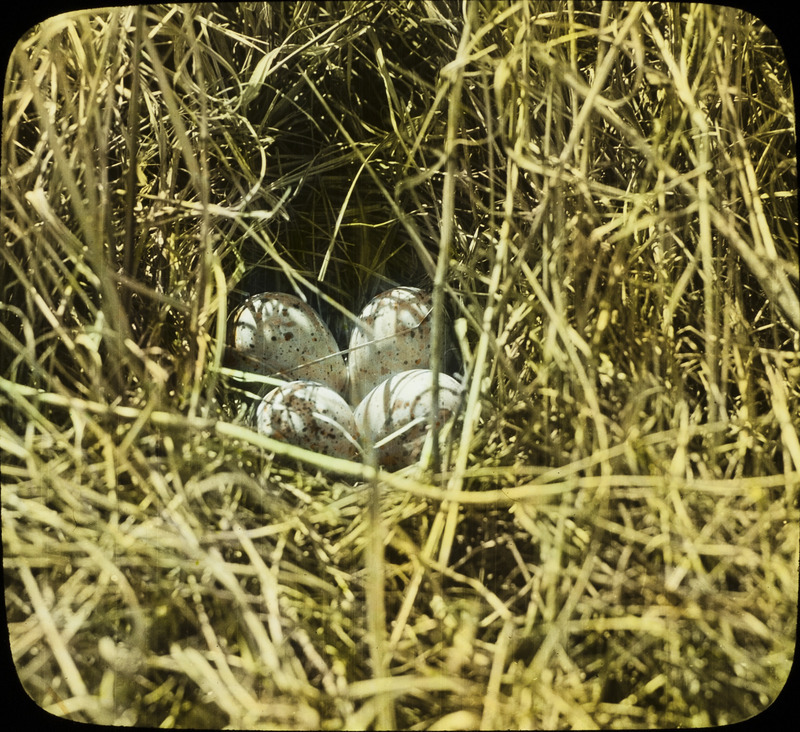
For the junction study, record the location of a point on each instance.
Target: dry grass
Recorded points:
(603, 199)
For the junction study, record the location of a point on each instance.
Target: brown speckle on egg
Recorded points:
(310, 415)
(393, 332)
(279, 334)
(402, 404)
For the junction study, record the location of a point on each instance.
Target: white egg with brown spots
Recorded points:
(277, 334)
(393, 334)
(395, 415)
(310, 415)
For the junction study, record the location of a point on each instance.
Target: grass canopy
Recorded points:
(602, 199)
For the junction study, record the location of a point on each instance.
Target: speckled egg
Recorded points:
(393, 334)
(404, 401)
(275, 333)
(310, 415)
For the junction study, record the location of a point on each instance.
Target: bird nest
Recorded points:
(602, 201)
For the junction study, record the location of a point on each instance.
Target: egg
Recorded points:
(403, 402)
(275, 333)
(310, 415)
(393, 334)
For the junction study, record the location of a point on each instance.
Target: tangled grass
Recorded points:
(603, 199)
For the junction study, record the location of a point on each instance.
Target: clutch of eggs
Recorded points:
(275, 333)
(278, 334)
(395, 415)
(310, 415)
(393, 334)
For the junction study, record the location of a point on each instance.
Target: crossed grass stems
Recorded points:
(603, 201)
